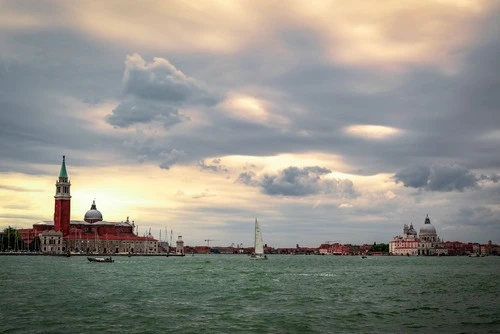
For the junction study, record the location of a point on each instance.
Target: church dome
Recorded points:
(427, 229)
(93, 215)
(412, 231)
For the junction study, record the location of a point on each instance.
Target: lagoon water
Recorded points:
(233, 294)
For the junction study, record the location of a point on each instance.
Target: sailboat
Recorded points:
(259, 244)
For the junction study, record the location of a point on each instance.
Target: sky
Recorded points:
(328, 121)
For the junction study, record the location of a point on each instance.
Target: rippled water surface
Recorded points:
(233, 294)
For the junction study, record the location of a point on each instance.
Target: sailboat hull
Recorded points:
(258, 257)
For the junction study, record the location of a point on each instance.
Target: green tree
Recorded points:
(11, 240)
(384, 248)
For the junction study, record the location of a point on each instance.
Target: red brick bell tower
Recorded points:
(63, 201)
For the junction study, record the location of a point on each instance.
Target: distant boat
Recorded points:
(363, 257)
(101, 259)
(259, 244)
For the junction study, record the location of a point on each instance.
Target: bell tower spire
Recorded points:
(62, 209)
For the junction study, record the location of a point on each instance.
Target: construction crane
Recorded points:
(208, 241)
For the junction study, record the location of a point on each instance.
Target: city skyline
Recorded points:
(323, 121)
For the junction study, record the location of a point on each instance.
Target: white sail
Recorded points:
(259, 244)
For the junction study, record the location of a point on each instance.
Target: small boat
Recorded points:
(259, 244)
(363, 257)
(101, 259)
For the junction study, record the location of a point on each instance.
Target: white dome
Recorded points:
(93, 215)
(428, 229)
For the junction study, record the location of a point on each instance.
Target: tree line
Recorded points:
(383, 248)
(12, 241)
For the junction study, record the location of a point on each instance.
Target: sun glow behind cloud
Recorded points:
(377, 132)
(251, 109)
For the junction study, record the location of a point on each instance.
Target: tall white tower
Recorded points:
(179, 249)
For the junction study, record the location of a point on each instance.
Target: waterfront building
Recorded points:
(334, 249)
(90, 235)
(426, 243)
(407, 244)
(51, 242)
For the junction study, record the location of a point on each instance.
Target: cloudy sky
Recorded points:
(326, 120)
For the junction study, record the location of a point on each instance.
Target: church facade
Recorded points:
(92, 235)
(425, 243)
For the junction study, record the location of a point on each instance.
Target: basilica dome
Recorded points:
(412, 231)
(93, 215)
(427, 229)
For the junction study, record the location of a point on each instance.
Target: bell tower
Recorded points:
(62, 209)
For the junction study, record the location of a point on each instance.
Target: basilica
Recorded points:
(92, 235)
(425, 243)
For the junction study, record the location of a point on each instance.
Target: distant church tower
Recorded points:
(63, 201)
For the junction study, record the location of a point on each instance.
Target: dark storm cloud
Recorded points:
(215, 166)
(248, 179)
(294, 181)
(160, 80)
(155, 91)
(443, 178)
(170, 158)
(414, 176)
(493, 178)
(426, 104)
(133, 111)
(479, 216)
(43, 75)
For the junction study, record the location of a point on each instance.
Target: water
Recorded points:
(233, 294)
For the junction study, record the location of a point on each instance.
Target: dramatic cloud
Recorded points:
(169, 158)
(154, 92)
(216, 166)
(132, 111)
(160, 80)
(364, 90)
(357, 34)
(441, 178)
(294, 181)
